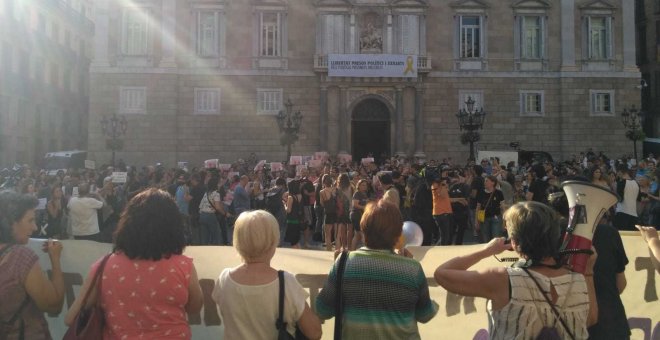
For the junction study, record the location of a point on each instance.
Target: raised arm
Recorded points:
(47, 293)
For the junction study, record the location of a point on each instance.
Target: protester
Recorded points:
(83, 212)
(344, 192)
(359, 202)
(248, 294)
(512, 292)
(26, 292)
(490, 200)
(626, 209)
(294, 214)
(208, 207)
(55, 208)
(328, 198)
(148, 285)
(384, 293)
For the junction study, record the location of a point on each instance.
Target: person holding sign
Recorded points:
(539, 290)
(25, 290)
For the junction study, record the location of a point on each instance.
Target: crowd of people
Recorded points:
(377, 291)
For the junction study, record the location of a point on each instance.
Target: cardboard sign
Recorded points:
(276, 166)
(74, 192)
(119, 177)
(224, 167)
(367, 160)
(90, 164)
(322, 155)
(296, 160)
(345, 159)
(211, 163)
(42, 204)
(182, 165)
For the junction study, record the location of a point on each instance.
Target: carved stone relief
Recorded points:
(371, 33)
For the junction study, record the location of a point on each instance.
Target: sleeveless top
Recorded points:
(528, 311)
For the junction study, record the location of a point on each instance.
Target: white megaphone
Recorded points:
(587, 203)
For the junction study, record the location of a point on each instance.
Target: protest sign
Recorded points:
(211, 163)
(90, 164)
(295, 160)
(119, 177)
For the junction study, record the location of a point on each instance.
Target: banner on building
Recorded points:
(459, 317)
(372, 65)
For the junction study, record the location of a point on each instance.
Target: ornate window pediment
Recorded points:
(470, 5)
(410, 3)
(597, 7)
(531, 5)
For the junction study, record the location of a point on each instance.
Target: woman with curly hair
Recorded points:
(148, 285)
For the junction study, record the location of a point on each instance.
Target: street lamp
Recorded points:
(632, 120)
(114, 127)
(470, 120)
(289, 124)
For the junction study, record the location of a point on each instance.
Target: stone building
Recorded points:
(648, 58)
(202, 79)
(45, 53)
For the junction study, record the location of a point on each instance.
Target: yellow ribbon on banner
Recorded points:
(409, 66)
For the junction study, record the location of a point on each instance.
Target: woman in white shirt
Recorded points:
(248, 294)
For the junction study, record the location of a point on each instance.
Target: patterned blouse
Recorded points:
(528, 312)
(145, 299)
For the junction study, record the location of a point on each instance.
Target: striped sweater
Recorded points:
(385, 295)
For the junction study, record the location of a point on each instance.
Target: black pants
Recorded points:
(461, 222)
(624, 221)
(445, 223)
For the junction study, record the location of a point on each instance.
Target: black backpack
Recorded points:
(274, 200)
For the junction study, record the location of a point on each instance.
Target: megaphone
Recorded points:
(587, 204)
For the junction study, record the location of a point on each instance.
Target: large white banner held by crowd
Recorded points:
(372, 65)
(458, 318)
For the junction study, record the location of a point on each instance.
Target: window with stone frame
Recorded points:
(409, 34)
(133, 100)
(599, 37)
(532, 36)
(135, 31)
(532, 103)
(269, 101)
(470, 36)
(207, 101)
(270, 34)
(332, 33)
(210, 33)
(602, 102)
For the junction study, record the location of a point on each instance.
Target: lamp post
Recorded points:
(632, 120)
(289, 124)
(114, 127)
(470, 120)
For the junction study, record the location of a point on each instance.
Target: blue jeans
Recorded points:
(209, 229)
(491, 228)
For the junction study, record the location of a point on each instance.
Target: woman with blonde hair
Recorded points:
(517, 308)
(248, 294)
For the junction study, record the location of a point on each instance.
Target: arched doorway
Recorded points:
(370, 130)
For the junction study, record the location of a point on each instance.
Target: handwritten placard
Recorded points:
(211, 163)
(224, 167)
(322, 155)
(182, 165)
(89, 164)
(295, 160)
(119, 177)
(345, 159)
(367, 160)
(276, 166)
(42, 204)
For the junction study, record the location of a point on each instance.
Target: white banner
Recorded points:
(458, 318)
(372, 65)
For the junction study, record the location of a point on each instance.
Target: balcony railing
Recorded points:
(423, 63)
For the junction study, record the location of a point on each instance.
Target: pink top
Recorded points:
(144, 299)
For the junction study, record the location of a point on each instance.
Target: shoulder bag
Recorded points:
(282, 333)
(90, 321)
(481, 213)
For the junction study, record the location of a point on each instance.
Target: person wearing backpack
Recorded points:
(536, 298)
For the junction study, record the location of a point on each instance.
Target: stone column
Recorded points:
(342, 146)
(323, 119)
(398, 127)
(101, 34)
(419, 122)
(168, 34)
(568, 35)
(629, 61)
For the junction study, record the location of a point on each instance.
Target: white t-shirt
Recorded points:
(250, 312)
(629, 204)
(84, 219)
(205, 206)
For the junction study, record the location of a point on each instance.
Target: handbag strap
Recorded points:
(97, 275)
(339, 303)
(279, 324)
(490, 198)
(547, 299)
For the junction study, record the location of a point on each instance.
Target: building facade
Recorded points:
(45, 53)
(648, 58)
(203, 79)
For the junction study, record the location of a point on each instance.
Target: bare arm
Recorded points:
(650, 236)
(310, 324)
(77, 304)
(195, 296)
(529, 195)
(289, 204)
(47, 293)
(621, 281)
